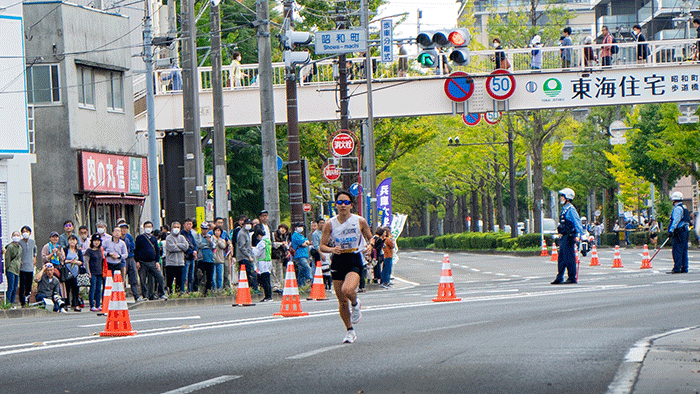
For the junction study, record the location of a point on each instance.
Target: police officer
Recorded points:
(678, 232)
(570, 230)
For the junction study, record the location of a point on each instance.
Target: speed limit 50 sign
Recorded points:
(500, 85)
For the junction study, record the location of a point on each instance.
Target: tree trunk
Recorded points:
(474, 209)
(484, 208)
(538, 193)
(459, 221)
(434, 230)
(489, 203)
(500, 218)
(450, 213)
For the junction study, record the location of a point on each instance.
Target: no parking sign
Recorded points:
(459, 87)
(471, 119)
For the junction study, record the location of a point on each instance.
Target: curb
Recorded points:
(628, 372)
(23, 312)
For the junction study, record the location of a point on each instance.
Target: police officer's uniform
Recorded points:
(569, 228)
(678, 232)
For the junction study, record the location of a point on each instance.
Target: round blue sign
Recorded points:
(459, 86)
(471, 119)
(280, 164)
(355, 189)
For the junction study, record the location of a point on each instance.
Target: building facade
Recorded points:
(79, 82)
(659, 19)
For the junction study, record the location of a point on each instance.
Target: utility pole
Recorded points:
(172, 31)
(294, 167)
(154, 194)
(345, 164)
(267, 115)
(194, 167)
(219, 137)
(369, 134)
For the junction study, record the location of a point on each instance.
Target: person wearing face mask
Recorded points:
(146, 253)
(83, 238)
(102, 231)
(300, 245)
(244, 254)
(26, 269)
(570, 229)
(115, 250)
(500, 56)
(175, 247)
(13, 260)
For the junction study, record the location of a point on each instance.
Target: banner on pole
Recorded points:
(384, 203)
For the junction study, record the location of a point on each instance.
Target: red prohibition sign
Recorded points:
(500, 85)
(459, 87)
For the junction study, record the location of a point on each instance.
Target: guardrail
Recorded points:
(659, 53)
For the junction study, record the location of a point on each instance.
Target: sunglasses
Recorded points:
(343, 202)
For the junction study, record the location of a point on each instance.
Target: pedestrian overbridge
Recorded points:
(668, 75)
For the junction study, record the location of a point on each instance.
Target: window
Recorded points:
(30, 127)
(86, 86)
(115, 91)
(42, 84)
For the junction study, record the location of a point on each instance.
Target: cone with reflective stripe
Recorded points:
(291, 305)
(544, 249)
(617, 261)
(243, 292)
(594, 256)
(646, 263)
(107, 293)
(118, 321)
(555, 253)
(318, 288)
(446, 289)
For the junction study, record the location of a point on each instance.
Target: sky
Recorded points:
(437, 14)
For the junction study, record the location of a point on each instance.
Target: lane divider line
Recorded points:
(314, 352)
(203, 385)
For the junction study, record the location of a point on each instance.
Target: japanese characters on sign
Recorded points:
(615, 87)
(340, 41)
(342, 144)
(384, 215)
(101, 172)
(386, 37)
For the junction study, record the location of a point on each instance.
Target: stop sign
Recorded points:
(331, 172)
(342, 144)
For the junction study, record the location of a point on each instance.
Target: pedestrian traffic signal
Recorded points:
(291, 39)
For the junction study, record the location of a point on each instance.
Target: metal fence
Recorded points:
(659, 53)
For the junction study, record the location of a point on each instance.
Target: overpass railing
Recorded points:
(666, 52)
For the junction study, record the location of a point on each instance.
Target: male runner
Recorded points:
(345, 230)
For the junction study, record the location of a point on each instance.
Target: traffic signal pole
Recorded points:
(369, 132)
(219, 138)
(154, 192)
(294, 155)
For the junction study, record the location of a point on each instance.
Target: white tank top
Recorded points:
(348, 235)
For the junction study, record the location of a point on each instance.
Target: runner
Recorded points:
(346, 231)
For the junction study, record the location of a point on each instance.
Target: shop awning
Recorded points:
(117, 200)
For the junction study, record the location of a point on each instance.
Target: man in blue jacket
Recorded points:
(678, 232)
(146, 254)
(570, 230)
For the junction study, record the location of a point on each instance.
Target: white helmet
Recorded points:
(567, 193)
(588, 40)
(536, 40)
(583, 218)
(677, 196)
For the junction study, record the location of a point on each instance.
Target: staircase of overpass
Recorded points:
(668, 75)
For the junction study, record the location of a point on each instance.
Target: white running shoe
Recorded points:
(350, 337)
(355, 313)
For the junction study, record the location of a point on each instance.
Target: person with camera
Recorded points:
(570, 229)
(48, 287)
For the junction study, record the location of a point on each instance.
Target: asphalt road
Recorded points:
(512, 332)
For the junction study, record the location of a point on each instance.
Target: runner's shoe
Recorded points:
(350, 337)
(355, 313)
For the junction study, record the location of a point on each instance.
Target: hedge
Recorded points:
(609, 239)
(415, 242)
(475, 241)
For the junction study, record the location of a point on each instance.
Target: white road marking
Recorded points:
(475, 270)
(500, 274)
(202, 385)
(145, 320)
(406, 281)
(455, 326)
(314, 352)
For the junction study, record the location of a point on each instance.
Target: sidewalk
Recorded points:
(671, 365)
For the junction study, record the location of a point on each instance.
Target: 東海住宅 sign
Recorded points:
(340, 41)
(113, 173)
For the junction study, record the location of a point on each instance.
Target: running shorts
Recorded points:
(344, 263)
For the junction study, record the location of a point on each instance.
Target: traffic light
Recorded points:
(431, 41)
(459, 38)
(428, 56)
(292, 39)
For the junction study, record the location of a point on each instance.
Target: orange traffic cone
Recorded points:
(544, 249)
(555, 253)
(243, 292)
(291, 305)
(318, 288)
(446, 289)
(118, 321)
(107, 293)
(594, 256)
(646, 263)
(617, 261)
